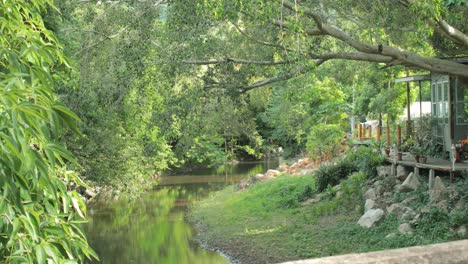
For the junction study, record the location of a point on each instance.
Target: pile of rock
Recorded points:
(380, 191)
(300, 167)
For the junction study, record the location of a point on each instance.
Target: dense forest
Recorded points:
(115, 92)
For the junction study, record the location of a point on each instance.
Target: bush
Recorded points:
(324, 140)
(363, 160)
(293, 195)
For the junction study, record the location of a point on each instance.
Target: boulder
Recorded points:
(396, 209)
(405, 229)
(90, 193)
(370, 194)
(408, 215)
(397, 187)
(384, 171)
(410, 200)
(442, 205)
(377, 183)
(305, 172)
(410, 184)
(401, 172)
(461, 231)
(438, 192)
(303, 162)
(272, 173)
(371, 218)
(380, 189)
(283, 167)
(370, 204)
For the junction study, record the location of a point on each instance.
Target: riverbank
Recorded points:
(287, 218)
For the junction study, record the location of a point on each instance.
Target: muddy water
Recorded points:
(153, 228)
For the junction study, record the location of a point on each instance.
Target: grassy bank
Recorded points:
(270, 222)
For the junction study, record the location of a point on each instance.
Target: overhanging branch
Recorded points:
(236, 61)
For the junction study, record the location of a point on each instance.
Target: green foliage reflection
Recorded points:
(148, 230)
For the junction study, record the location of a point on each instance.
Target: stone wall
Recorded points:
(444, 253)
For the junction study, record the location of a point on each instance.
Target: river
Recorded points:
(153, 228)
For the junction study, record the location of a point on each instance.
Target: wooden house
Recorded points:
(449, 101)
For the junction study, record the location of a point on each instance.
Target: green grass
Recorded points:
(268, 223)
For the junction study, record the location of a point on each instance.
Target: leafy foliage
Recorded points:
(363, 159)
(40, 217)
(324, 140)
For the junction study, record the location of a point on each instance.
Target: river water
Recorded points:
(153, 229)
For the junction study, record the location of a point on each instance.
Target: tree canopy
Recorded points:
(302, 35)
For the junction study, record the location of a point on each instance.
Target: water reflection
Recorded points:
(152, 229)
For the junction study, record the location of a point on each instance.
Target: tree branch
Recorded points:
(105, 37)
(453, 34)
(282, 77)
(236, 61)
(259, 41)
(408, 58)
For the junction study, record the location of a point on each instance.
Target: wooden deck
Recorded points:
(432, 163)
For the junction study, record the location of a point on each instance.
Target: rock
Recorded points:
(410, 184)
(90, 193)
(461, 231)
(387, 195)
(272, 173)
(377, 183)
(294, 165)
(438, 192)
(244, 184)
(380, 189)
(415, 219)
(390, 236)
(442, 205)
(283, 167)
(370, 204)
(397, 187)
(405, 229)
(425, 209)
(312, 201)
(384, 171)
(305, 172)
(303, 162)
(401, 172)
(396, 209)
(371, 218)
(409, 200)
(459, 205)
(370, 194)
(408, 215)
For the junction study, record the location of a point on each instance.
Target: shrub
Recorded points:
(324, 140)
(362, 159)
(293, 194)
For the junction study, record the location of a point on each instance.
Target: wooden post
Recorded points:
(388, 133)
(379, 132)
(360, 131)
(408, 111)
(420, 102)
(399, 136)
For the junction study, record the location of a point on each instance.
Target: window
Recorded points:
(462, 103)
(439, 97)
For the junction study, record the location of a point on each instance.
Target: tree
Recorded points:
(40, 216)
(302, 35)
